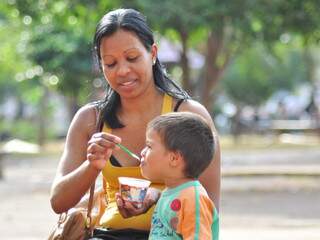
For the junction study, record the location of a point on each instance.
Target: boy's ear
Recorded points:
(176, 159)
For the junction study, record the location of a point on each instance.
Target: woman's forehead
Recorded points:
(121, 40)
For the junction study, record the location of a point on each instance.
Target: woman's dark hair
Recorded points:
(133, 21)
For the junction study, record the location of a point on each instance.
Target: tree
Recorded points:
(11, 59)
(229, 27)
(259, 73)
(58, 43)
(61, 43)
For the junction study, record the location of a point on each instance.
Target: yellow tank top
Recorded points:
(111, 217)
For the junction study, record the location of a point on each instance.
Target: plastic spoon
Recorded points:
(128, 151)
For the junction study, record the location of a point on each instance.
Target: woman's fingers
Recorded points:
(96, 148)
(105, 138)
(100, 147)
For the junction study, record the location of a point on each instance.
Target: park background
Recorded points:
(254, 64)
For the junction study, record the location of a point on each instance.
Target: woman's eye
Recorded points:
(132, 59)
(110, 65)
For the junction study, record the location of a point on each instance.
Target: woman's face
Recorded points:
(126, 63)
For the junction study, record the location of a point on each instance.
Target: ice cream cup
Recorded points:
(133, 189)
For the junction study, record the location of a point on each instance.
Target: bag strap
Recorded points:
(89, 226)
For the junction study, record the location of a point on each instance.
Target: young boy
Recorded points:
(179, 147)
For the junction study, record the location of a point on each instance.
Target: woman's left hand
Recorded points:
(128, 209)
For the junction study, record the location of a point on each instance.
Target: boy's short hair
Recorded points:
(189, 134)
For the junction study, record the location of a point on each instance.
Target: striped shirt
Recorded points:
(185, 212)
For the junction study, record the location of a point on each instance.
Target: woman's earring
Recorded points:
(154, 61)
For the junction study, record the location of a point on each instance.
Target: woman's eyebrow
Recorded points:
(106, 55)
(129, 49)
(125, 51)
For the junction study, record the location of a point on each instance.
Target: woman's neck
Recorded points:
(146, 105)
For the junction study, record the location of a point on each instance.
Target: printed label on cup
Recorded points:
(133, 189)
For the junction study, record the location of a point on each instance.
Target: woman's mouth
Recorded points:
(128, 84)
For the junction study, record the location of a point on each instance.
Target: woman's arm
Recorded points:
(211, 177)
(84, 156)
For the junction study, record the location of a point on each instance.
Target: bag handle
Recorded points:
(89, 226)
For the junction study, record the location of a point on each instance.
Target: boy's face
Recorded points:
(154, 158)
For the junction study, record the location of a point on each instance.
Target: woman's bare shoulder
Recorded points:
(85, 119)
(194, 106)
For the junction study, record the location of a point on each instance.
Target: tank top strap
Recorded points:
(166, 108)
(167, 104)
(106, 128)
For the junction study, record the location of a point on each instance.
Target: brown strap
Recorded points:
(91, 194)
(90, 204)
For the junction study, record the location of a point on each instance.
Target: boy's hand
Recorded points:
(128, 209)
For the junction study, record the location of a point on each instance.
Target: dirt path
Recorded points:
(249, 209)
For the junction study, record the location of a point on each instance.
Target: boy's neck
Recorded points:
(175, 182)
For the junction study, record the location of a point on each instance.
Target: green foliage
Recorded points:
(23, 129)
(247, 81)
(55, 38)
(257, 73)
(297, 17)
(12, 40)
(60, 41)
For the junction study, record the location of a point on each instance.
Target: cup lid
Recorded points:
(136, 182)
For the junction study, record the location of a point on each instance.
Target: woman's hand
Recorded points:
(100, 147)
(127, 209)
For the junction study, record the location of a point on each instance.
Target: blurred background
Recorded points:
(254, 64)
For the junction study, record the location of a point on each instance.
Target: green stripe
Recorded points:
(196, 235)
(215, 225)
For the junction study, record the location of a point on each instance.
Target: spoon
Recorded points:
(128, 151)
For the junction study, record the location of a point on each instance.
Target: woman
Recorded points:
(138, 91)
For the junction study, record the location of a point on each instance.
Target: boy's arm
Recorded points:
(195, 219)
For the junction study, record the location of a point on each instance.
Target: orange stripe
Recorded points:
(206, 218)
(187, 216)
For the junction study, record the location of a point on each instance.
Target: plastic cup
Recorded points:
(133, 189)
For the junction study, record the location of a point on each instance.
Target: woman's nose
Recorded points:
(123, 69)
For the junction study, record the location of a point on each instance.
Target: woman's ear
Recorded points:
(154, 52)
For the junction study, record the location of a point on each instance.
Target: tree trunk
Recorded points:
(73, 106)
(212, 71)
(184, 61)
(312, 108)
(43, 105)
(20, 109)
(235, 125)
